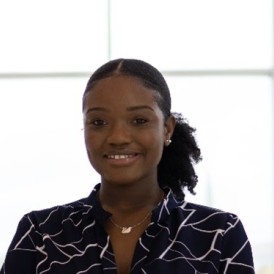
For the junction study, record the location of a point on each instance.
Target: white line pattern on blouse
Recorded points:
(181, 238)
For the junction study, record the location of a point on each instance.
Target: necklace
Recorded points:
(127, 229)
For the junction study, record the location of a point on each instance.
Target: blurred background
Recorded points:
(218, 59)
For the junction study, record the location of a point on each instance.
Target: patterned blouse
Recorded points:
(181, 238)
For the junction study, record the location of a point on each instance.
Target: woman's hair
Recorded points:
(176, 167)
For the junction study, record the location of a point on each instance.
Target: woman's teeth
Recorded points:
(123, 156)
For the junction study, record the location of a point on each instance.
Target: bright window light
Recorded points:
(217, 57)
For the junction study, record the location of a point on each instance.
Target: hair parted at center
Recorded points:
(176, 167)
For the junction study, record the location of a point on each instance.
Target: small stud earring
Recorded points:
(168, 142)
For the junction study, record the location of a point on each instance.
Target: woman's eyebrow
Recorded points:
(96, 109)
(141, 107)
(130, 108)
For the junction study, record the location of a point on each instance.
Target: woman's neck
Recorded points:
(129, 198)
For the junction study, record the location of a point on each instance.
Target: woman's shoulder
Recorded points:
(200, 207)
(69, 211)
(56, 216)
(198, 215)
(61, 209)
(207, 215)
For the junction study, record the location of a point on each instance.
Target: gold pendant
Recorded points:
(126, 230)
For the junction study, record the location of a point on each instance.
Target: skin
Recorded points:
(125, 133)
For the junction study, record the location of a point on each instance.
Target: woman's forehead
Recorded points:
(121, 88)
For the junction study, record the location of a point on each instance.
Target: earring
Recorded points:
(168, 142)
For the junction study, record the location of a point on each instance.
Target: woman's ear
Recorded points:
(169, 127)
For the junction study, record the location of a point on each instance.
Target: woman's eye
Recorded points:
(97, 122)
(140, 121)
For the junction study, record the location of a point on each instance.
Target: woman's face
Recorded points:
(124, 130)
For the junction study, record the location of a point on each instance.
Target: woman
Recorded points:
(136, 219)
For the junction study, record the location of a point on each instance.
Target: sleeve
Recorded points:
(236, 257)
(21, 256)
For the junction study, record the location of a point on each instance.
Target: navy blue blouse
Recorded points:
(181, 238)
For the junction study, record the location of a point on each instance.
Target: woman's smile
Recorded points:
(122, 159)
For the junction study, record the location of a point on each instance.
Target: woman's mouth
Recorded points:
(120, 156)
(121, 159)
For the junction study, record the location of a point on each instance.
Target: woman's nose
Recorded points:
(119, 134)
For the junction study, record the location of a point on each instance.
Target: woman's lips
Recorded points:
(121, 158)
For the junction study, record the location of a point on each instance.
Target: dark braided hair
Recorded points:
(176, 167)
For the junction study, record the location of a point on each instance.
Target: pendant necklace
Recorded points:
(127, 229)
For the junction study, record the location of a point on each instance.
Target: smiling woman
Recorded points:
(136, 220)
